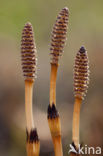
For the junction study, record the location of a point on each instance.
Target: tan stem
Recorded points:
(76, 120)
(54, 124)
(53, 77)
(57, 146)
(55, 129)
(33, 149)
(28, 105)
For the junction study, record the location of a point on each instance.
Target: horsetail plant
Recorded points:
(81, 81)
(29, 62)
(57, 44)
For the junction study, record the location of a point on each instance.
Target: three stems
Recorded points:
(81, 74)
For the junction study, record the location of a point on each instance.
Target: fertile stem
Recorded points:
(33, 149)
(53, 78)
(28, 105)
(76, 120)
(55, 129)
(29, 61)
(57, 146)
(58, 39)
(33, 143)
(81, 80)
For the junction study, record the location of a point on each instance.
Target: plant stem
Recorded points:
(54, 120)
(55, 129)
(57, 145)
(33, 149)
(53, 77)
(33, 144)
(28, 105)
(76, 120)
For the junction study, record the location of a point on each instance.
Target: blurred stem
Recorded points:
(33, 149)
(57, 146)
